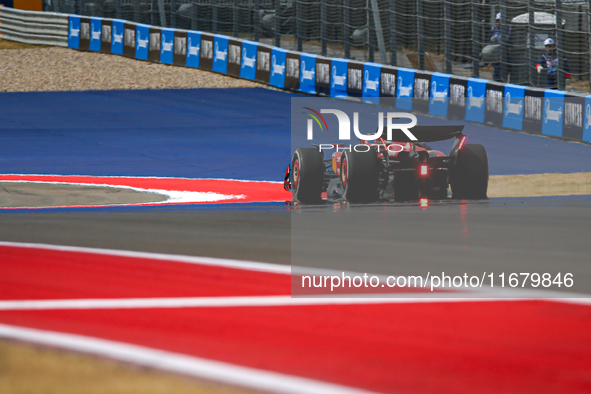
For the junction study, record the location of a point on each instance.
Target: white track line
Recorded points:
(178, 363)
(204, 302)
(499, 295)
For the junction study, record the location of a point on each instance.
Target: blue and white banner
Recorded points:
(167, 46)
(587, 120)
(553, 113)
(278, 56)
(513, 107)
(220, 53)
(405, 88)
(96, 30)
(74, 32)
(439, 94)
(475, 97)
(117, 38)
(193, 48)
(371, 83)
(308, 73)
(248, 67)
(338, 80)
(142, 41)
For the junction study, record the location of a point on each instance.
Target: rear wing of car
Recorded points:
(429, 133)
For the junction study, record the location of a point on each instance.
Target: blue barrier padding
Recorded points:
(338, 80)
(405, 88)
(308, 73)
(475, 100)
(220, 53)
(439, 93)
(278, 56)
(248, 65)
(587, 120)
(513, 106)
(193, 48)
(96, 26)
(553, 112)
(74, 31)
(142, 41)
(371, 83)
(118, 27)
(166, 45)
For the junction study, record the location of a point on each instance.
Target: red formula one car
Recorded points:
(390, 170)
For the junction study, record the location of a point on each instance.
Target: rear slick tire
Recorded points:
(360, 176)
(468, 178)
(307, 175)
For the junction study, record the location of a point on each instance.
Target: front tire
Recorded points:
(307, 175)
(469, 176)
(360, 176)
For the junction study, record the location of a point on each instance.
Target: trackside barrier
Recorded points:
(33, 27)
(540, 111)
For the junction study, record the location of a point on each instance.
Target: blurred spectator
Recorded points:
(549, 62)
(495, 38)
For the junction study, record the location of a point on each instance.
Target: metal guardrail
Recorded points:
(33, 27)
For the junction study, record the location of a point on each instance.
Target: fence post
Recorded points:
(475, 43)
(504, 43)
(371, 30)
(235, 19)
(379, 32)
(420, 41)
(323, 21)
(214, 15)
(257, 21)
(447, 38)
(162, 13)
(393, 56)
(589, 26)
(559, 43)
(193, 14)
(347, 27)
(172, 13)
(136, 11)
(531, 42)
(299, 31)
(277, 23)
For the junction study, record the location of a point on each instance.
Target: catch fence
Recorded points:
(450, 36)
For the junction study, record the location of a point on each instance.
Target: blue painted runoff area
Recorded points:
(206, 133)
(199, 133)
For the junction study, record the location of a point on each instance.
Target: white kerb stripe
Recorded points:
(178, 363)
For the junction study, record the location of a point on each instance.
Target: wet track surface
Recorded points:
(496, 235)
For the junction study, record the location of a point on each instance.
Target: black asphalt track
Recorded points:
(535, 235)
